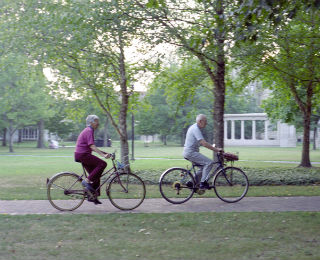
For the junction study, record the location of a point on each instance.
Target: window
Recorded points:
(29, 133)
(248, 129)
(229, 129)
(260, 129)
(237, 129)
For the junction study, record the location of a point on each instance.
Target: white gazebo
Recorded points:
(255, 129)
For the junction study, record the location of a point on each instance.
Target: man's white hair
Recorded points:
(90, 119)
(200, 117)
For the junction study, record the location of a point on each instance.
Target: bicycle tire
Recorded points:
(173, 185)
(65, 191)
(126, 191)
(231, 184)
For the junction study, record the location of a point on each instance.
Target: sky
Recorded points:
(133, 55)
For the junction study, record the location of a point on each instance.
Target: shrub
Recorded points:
(259, 176)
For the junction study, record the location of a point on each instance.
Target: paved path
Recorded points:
(250, 204)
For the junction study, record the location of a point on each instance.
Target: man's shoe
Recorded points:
(190, 184)
(204, 185)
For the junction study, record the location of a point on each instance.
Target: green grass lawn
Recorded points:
(293, 235)
(171, 151)
(24, 173)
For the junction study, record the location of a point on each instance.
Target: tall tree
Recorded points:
(203, 29)
(286, 58)
(171, 109)
(85, 44)
(24, 100)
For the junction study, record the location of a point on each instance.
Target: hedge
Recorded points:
(259, 176)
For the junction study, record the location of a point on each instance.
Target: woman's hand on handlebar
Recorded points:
(107, 155)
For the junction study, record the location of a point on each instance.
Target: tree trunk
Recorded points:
(4, 139)
(305, 108)
(315, 138)
(40, 143)
(164, 139)
(11, 143)
(218, 113)
(219, 83)
(305, 160)
(124, 138)
(20, 136)
(105, 133)
(124, 107)
(11, 133)
(123, 131)
(132, 137)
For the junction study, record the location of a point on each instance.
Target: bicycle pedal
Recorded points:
(200, 192)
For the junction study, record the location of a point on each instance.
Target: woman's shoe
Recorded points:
(88, 186)
(95, 201)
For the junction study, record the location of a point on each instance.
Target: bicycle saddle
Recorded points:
(193, 163)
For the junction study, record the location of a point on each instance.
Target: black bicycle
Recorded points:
(230, 184)
(126, 191)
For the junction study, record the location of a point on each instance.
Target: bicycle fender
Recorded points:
(52, 177)
(173, 168)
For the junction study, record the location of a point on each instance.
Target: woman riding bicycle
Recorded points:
(83, 154)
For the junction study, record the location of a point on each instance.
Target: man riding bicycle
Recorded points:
(194, 139)
(94, 166)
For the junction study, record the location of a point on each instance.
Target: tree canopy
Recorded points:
(88, 45)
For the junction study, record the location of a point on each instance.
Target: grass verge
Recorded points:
(23, 176)
(293, 235)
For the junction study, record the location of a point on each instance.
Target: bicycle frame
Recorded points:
(220, 166)
(114, 171)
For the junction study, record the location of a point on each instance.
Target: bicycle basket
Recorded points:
(120, 165)
(230, 157)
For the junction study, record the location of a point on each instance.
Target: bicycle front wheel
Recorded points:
(231, 184)
(176, 185)
(126, 191)
(65, 191)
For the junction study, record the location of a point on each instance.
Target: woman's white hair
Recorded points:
(90, 119)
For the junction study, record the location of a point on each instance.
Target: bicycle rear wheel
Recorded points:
(231, 184)
(126, 191)
(65, 191)
(176, 185)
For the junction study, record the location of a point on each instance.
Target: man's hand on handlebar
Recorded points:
(220, 150)
(217, 150)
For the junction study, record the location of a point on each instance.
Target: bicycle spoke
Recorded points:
(65, 191)
(126, 191)
(231, 184)
(176, 185)
(58, 186)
